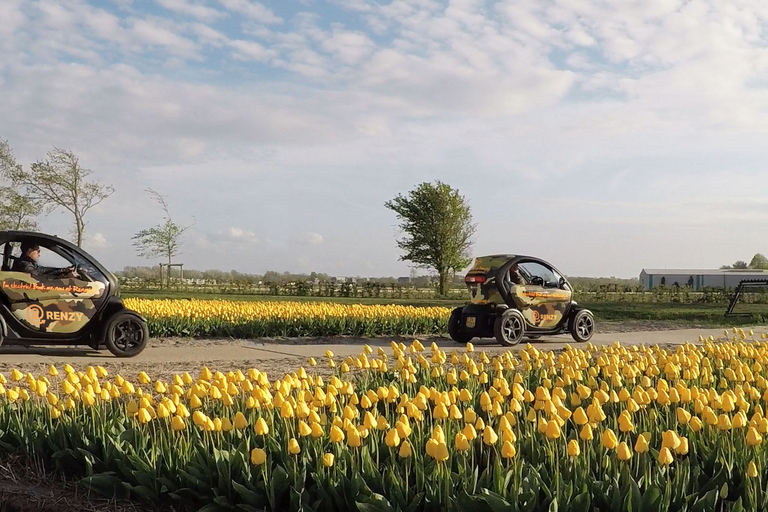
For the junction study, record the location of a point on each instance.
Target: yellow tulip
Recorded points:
(144, 415)
(304, 429)
(665, 457)
(641, 445)
(177, 423)
(670, 439)
(293, 446)
(683, 416)
(723, 422)
(695, 424)
(353, 438)
(508, 450)
(328, 459)
(392, 439)
(240, 421)
(461, 442)
(258, 456)
(405, 450)
(609, 439)
(441, 452)
(573, 448)
(261, 427)
(580, 417)
(623, 451)
(753, 437)
(489, 436)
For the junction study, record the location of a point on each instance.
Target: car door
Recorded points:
(542, 298)
(54, 305)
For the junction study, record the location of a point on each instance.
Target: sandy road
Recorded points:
(278, 356)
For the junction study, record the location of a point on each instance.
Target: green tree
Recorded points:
(740, 264)
(759, 261)
(161, 240)
(437, 222)
(59, 181)
(17, 209)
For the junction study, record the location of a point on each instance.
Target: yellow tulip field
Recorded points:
(251, 319)
(416, 428)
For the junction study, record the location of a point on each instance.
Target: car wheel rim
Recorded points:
(128, 334)
(584, 326)
(512, 328)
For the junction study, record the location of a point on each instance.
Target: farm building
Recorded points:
(698, 278)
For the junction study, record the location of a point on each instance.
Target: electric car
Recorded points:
(514, 296)
(78, 307)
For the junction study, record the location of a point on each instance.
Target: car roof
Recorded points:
(510, 257)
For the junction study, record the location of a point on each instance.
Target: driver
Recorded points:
(28, 263)
(514, 275)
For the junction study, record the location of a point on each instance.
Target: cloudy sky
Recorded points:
(602, 136)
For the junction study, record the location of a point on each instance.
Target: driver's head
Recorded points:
(30, 250)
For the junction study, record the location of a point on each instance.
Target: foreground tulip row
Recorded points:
(415, 429)
(255, 319)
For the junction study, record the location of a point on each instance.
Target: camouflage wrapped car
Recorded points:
(514, 296)
(76, 305)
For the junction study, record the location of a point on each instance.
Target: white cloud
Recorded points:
(151, 33)
(96, 240)
(251, 9)
(239, 234)
(251, 50)
(195, 10)
(12, 16)
(308, 238)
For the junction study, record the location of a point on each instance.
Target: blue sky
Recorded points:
(605, 137)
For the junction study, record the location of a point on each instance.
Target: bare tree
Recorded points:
(163, 239)
(60, 182)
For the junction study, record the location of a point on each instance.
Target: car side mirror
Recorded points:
(561, 282)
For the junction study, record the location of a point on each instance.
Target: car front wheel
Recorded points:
(509, 327)
(583, 326)
(126, 335)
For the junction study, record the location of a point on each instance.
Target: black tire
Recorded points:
(582, 326)
(509, 327)
(454, 327)
(126, 335)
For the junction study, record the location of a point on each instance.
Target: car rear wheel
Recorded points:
(454, 327)
(127, 335)
(509, 327)
(582, 326)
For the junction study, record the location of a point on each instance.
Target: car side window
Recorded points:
(48, 258)
(546, 277)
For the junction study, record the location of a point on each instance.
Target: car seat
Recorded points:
(7, 257)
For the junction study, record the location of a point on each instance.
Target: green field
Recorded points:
(710, 314)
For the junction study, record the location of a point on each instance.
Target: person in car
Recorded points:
(28, 263)
(514, 275)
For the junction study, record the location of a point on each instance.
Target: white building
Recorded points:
(698, 278)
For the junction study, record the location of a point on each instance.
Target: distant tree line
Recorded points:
(758, 262)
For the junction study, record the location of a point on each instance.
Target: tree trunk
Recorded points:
(442, 281)
(80, 228)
